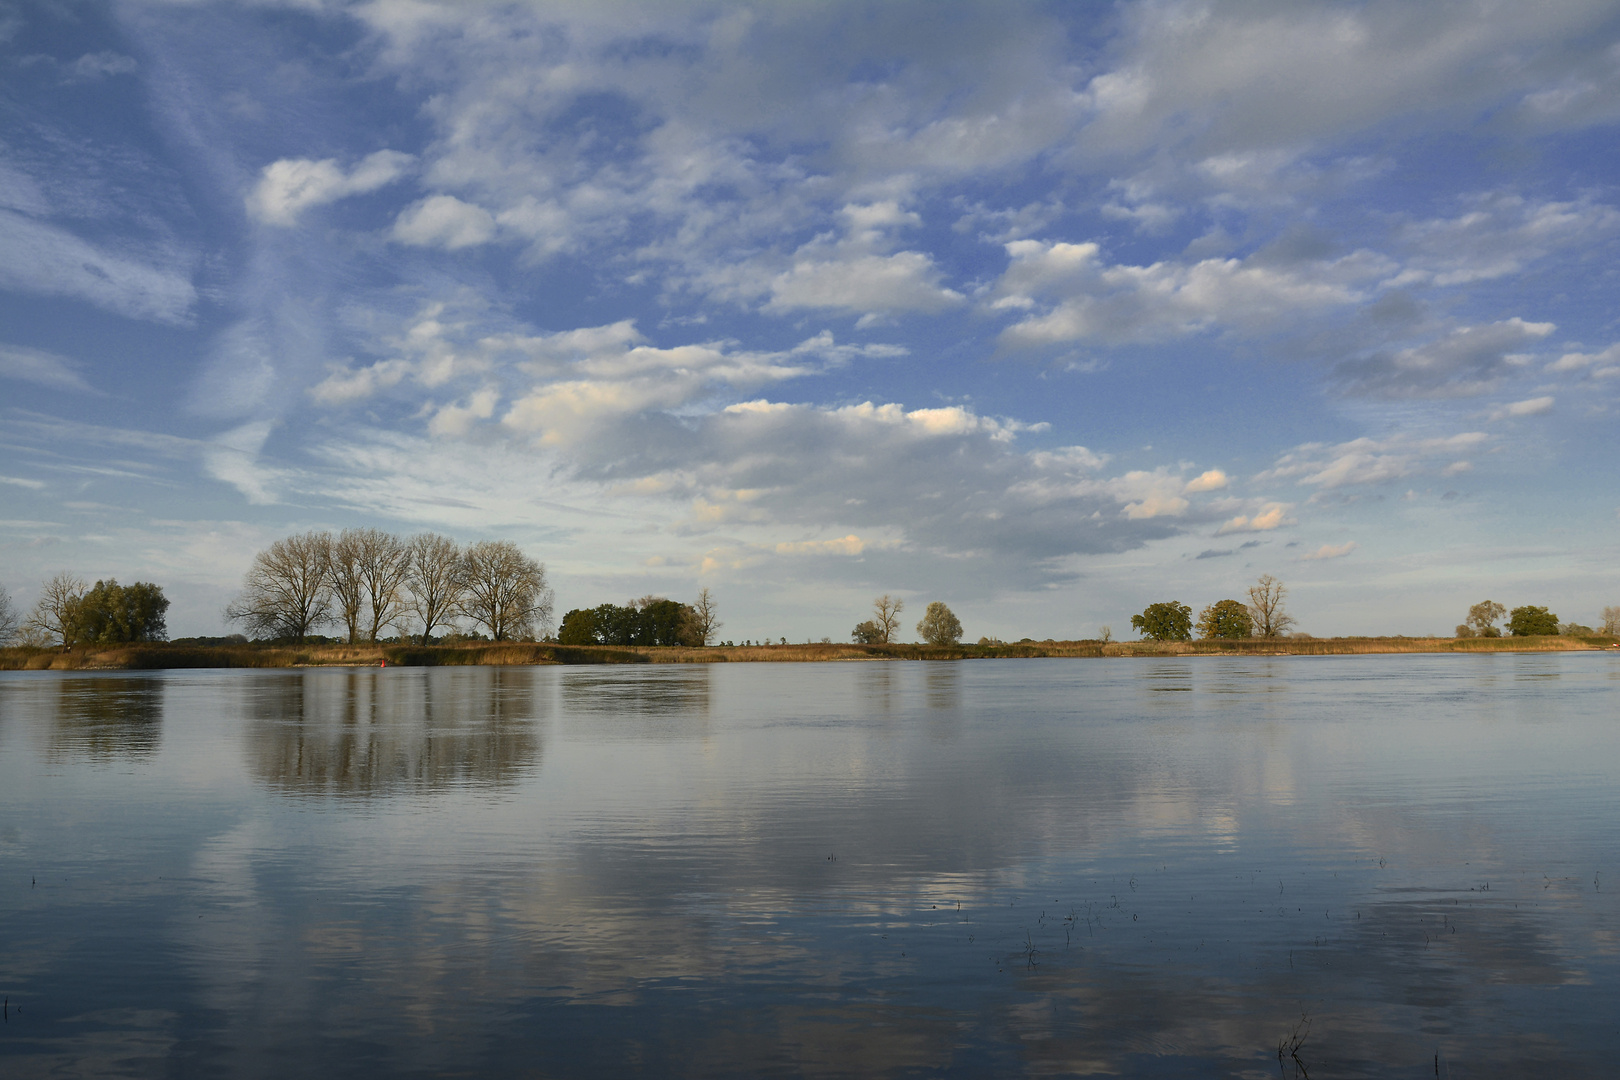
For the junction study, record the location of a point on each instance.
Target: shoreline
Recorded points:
(159, 656)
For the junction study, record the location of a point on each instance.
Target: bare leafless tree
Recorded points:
(1266, 606)
(344, 578)
(385, 566)
(49, 622)
(286, 593)
(505, 590)
(1611, 620)
(9, 619)
(705, 618)
(886, 617)
(436, 583)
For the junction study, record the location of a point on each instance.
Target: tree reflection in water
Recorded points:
(99, 716)
(371, 732)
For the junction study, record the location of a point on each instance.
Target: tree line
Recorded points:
(1264, 616)
(369, 580)
(652, 620)
(72, 612)
(1528, 620)
(938, 626)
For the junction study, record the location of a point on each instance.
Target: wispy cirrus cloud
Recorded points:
(43, 368)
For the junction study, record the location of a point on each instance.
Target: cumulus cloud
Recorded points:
(1599, 364)
(346, 385)
(444, 221)
(1268, 517)
(1469, 360)
(1369, 461)
(1272, 76)
(1075, 294)
(1210, 480)
(288, 187)
(1497, 234)
(904, 281)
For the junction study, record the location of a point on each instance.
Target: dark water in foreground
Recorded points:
(1131, 867)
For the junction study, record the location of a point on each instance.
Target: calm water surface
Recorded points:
(1397, 865)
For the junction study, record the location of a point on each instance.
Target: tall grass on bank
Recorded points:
(159, 655)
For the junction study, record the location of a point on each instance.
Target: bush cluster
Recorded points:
(652, 620)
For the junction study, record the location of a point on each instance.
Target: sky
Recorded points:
(1045, 311)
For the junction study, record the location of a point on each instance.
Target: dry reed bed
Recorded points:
(161, 656)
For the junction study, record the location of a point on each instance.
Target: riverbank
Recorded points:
(163, 655)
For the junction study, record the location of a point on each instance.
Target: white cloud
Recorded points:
(444, 221)
(1330, 551)
(347, 385)
(1076, 295)
(234, 457)
(1498, 234)
(100, 65)
(1600, 364)
(43, 259)
(1270, 516)
(1529, 407)
(844, 545)
(1468, 360)
(288, 187)
(44, 368)
(1366, 460)
(904, 281)
(1211, 480)
(456, 419)
(1223, 80)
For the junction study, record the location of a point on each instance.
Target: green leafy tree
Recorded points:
(652, 620)
(578, 628)
(1530, 620)
(1226, 619)
(868, 633)
(661, 621)
(939, 625)
(111, 614)
(1483, 617)
(1167, 621)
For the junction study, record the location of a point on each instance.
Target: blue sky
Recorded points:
(1046, 311)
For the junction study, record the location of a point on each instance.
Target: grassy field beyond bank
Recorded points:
(156, 656)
